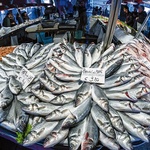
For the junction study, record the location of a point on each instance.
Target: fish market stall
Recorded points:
(81, 95)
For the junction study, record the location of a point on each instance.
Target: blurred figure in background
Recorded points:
(141, 15)
(25, 16)
(129, 18)
(19, 17)
(9, 20)
(75, 12)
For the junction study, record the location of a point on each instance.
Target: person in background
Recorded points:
(75, 12)
(129, 18)
(19, 17)
(9, 20)
(141, 15)
(100, 11)
(25, 16)
(95, 11)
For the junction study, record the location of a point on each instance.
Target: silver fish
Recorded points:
(141, 118)
(123, 139)
(143, 105)
(62, 112)
(87, 58)
(99, 97)
(130, 94)
(4, 112)
(126, 106)
(39, 132)
(108, 142)
(76, 134)
(64, 98)
(67, 87)
(6, 97)
(3, 73)
(34, 49)
(11, 56)
(134, 128)
(21, 119)
(102, 120)
(66, 77)
(79, 56)
(43, 95)
(20, 60)
(28, 48)
(91, 135)
(56, 136)
(40, 108)
(8, 60)
(14, 85)
(22, 53)
(7, 67)
(109, 50)
(116, 119)
(83, 93)
(78, 115)
(129, 85)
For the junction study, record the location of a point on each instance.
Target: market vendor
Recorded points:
(9, 20)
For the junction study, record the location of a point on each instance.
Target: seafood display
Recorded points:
(77, 94)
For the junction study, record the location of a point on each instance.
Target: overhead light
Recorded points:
(0, 4)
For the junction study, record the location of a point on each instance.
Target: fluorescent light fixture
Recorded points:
(0, 4)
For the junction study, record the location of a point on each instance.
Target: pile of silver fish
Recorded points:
(62, 108)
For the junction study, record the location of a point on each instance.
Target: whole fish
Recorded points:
(62, 112)
(78, 115)
(8, 60)
(43, 95)
(40, 108)
(109, 50)
(130, 94)
(76, 134)
(22, 53)
(91, 135)
(6, 97)
(83, 93)
(56, 136)
(39, 132)
(11, 55)
(21, 118)
(14, 85)
(34, 49)
(108, 142)
(20, 60)
(99, 97)
(143, 105)
(129, 85)
(7, 67)
(67, 77)
(64, 98)
(87, 62)
(48, 83)
(123, 139)
(102, 120)
(126, 106)
(141, 118)
(113, 68)
(116, 119)
(68, 87)
(78, 54)
(28, 48)
(134, 128)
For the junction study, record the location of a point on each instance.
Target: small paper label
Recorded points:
(93, 75)
(25, 77)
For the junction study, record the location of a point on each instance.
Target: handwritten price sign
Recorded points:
(25, 77)
(93, 75)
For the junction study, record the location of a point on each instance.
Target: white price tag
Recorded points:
(25, 77)
(93, 75)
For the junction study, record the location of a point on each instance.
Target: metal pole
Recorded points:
(142, 26)
(115, 7)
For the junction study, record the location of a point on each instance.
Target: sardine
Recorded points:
(87, 58)
(20, 60)
(143, 105)
(34, 49)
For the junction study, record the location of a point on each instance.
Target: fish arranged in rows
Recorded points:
(64, 109)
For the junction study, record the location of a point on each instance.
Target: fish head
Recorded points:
(103, 103)
(143, 134)
(88, 143)
(74, 143)
(117, 122)
(69, 121)
(54, 115)
(143, 91)
(109, 130)
(50, 140)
